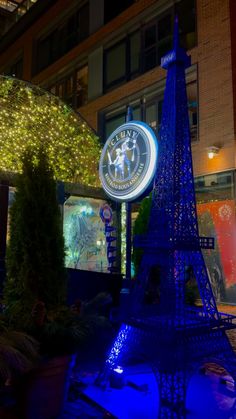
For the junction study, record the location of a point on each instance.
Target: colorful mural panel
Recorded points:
(217, 219)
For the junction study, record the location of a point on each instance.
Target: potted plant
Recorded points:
(18, 355)
(36, 285)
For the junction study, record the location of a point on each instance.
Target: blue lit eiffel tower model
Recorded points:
(174, 339)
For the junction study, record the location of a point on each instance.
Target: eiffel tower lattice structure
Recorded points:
(175, 339)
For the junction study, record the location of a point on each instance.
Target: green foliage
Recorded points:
(140, 228)
(35, 290)
(69, 328)
(35, 254)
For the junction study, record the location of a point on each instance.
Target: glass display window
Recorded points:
(85, 237)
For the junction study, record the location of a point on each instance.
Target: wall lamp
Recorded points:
(212, 151)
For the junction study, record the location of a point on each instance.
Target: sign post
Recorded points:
(129, 117)
(127, 168)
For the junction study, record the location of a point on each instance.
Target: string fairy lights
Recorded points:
(32, 117)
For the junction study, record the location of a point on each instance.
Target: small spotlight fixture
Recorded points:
(117, 379)
(118, 369)
(212, 151)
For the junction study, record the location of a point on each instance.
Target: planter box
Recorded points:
(43, 392)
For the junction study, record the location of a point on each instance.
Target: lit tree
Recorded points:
(32, 117)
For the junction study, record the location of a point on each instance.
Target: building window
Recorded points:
(149, 110)
(114, 8)
(122, 61)
(215, 187)
(73, 89)
(152, 114)
(81, 87)
(134, 52)
(116, 64)
(46, 51)
(74, 30)
(156, 41)
(186, 12)
(114, 121)
(16, 69)
(193, 109)
(141, 51)
(62, 39)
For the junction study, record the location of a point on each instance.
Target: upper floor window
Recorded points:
(121, 62)
(112, 122)
(15, 69)
(156, 41)
(186, 12)
(73, 89)
(81, 87)
(150, 111)
(74, 30)
(142, 50)
(47, 51)
(193, 109)
(59, 41)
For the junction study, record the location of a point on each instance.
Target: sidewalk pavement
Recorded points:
(227, 308)
(78, 407)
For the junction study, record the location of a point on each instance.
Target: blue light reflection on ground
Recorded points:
(207, 396)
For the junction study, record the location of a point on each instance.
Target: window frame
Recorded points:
(55, 36)
(128, 74)
(15, 69)
(142, 68)
(72, 99)
(155, 97)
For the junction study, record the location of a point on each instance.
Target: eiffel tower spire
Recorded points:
(173, 193)
(173, 243)
(176, 33)
(175, 340)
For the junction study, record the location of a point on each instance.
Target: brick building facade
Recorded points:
(99, 59)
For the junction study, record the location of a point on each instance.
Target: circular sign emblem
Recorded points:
(106, 213)
(128, 161)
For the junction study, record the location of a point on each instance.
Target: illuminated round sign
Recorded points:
(128, 161)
